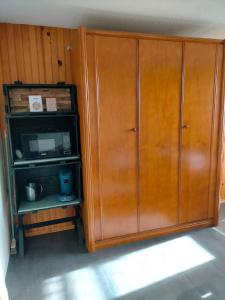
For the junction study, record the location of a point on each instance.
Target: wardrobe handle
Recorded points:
(185, 126)
(133, 129)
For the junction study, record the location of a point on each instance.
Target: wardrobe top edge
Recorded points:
(137, 35)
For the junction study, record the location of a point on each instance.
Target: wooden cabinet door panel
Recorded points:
(198, 106)
(222, 183)
(160, 93)
(116, 109)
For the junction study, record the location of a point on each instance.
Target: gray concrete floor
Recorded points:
(180, 267)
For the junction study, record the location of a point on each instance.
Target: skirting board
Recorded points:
(153, 233)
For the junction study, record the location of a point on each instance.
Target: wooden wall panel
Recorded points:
(4, 55)
(19, 52)
(36, 54)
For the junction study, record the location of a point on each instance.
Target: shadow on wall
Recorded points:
(3, 290)
(112, 20)
(4, 220)
(147, 24)
(121, 16)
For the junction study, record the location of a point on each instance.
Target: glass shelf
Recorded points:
(51, 201)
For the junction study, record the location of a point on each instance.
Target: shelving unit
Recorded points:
(29, 166)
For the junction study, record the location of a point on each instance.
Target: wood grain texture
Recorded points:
(221, 172)
(220, 158)
(36, 54)
(80, 78)
(116, 110)
(30, 54)
(91, 63)
(160, 90)
(149, 36)
(215, 163)
(153, 234)
(43, 216)
(222, 183)
(91, 145)
(198, 110)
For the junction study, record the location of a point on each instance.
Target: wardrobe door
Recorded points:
(160, 64)
(197, 121)
(115, 63)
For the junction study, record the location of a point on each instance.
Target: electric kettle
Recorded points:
(33, 191)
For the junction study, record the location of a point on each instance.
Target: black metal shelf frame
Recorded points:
(60, 85)
(14, 168)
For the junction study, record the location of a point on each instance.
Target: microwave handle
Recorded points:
(41, 188)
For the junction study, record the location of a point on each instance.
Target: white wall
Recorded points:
(4, 221)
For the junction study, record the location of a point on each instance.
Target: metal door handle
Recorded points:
(185, 126)
(133, 129)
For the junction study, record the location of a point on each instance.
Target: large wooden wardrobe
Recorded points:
(150, 111)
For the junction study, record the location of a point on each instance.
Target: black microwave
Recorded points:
(46, 145)
(44, 138)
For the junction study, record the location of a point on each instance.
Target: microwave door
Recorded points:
(40, 145)
(63, 145)
(29, 146)
(46, 145)
(66, 144)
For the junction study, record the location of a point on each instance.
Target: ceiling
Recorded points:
(201, 18)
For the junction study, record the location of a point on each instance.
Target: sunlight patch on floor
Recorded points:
(53, 289)
(81, 284)
(207, 295)
(85, 284)
(130, 272)
(150, 265)
(219, 231)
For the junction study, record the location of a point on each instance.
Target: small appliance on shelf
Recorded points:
(33, 191)
(66, 185)
(46, 144)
